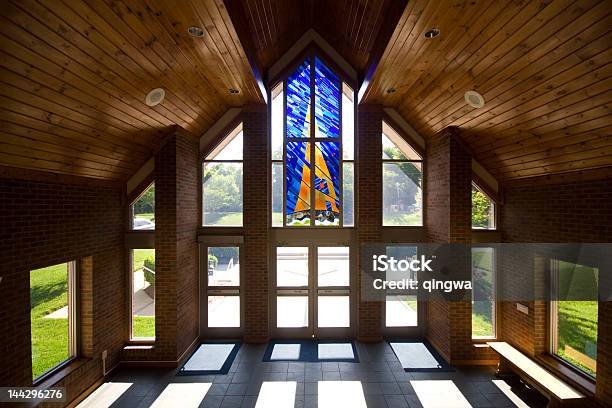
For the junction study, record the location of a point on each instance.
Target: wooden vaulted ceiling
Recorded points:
(350, 26)
(75, 74)
(543, 67)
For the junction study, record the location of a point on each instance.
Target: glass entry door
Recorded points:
(312, 292)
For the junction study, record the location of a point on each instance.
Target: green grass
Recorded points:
(143, 327)
(140, 255)
(398, 219)
(577, 324)
(482, 323)
(224, 219)
(148, 216)
(48, 293)
(578, 329)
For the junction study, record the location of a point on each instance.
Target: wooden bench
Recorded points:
(558, 392)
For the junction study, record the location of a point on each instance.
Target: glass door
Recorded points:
(312, 292)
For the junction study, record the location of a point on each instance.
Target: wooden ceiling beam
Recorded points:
(390, 22)
(238, 18)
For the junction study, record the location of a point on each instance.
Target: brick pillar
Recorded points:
(176, 222)
(369, 188)
(448, 220)
(255, 193)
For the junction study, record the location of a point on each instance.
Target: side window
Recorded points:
(143, 210)
(52, 317)
(484, 290)
(143, 295)
(574, 314)
(402, 181)
(483, 209)
(222, 183)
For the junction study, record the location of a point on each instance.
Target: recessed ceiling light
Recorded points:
(155, 96)
(233, 91)
(433, 33)
(390, 90)
(195, 31)
(474, 99)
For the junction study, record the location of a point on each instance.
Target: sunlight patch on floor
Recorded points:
(279, 394)
(334, 394)
(184, 395)
(105, 395)
(439, 394)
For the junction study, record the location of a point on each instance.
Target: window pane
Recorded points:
(143, 210)
(402, 255)
(292, 311)
(143, 293)
(396, 147)
(348, 205)
(49, 311)
(327, 183)
(292, 266)
(401, 311)
(348, 123)
(277, 123)
(230, 148)
(222, 194)
(298, 183)
(224, 311)
(575, 339)
(327, 101)
(223, 266)
(483, 210)
(333, 266)
(333, 311)
(277, 194)
(483, 293)
(402, 195)
(298, 102)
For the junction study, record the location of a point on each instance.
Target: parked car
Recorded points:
(143, 224)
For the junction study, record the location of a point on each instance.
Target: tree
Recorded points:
(146, 202)
(481, 209)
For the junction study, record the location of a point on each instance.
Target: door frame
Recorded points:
(313, 332)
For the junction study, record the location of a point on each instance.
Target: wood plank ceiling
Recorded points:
(544, 69)
(351, 27)
(74, 75)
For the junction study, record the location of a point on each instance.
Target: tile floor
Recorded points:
(376, 381)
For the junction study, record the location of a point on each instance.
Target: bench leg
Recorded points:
(503, 369)
(553, 403)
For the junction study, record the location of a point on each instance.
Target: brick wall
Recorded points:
(448, 186)
(255, 193)
(369, 188)
(572, 212)
(46, 223)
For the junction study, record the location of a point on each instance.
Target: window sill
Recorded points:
(139, 346)
(572, 375)
(52, 378)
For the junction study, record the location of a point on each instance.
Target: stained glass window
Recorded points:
(314, 134)
(298, 102)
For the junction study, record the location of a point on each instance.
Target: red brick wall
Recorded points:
(256, 196)
(46, 223)
(369, 221)
(572, 212)
(448, 186)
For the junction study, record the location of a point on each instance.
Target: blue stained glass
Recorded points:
(297, 177)
(298, 102)
(327, 101)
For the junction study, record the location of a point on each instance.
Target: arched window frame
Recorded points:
(347, 155)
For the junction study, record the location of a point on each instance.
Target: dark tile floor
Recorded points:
(376, 381)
